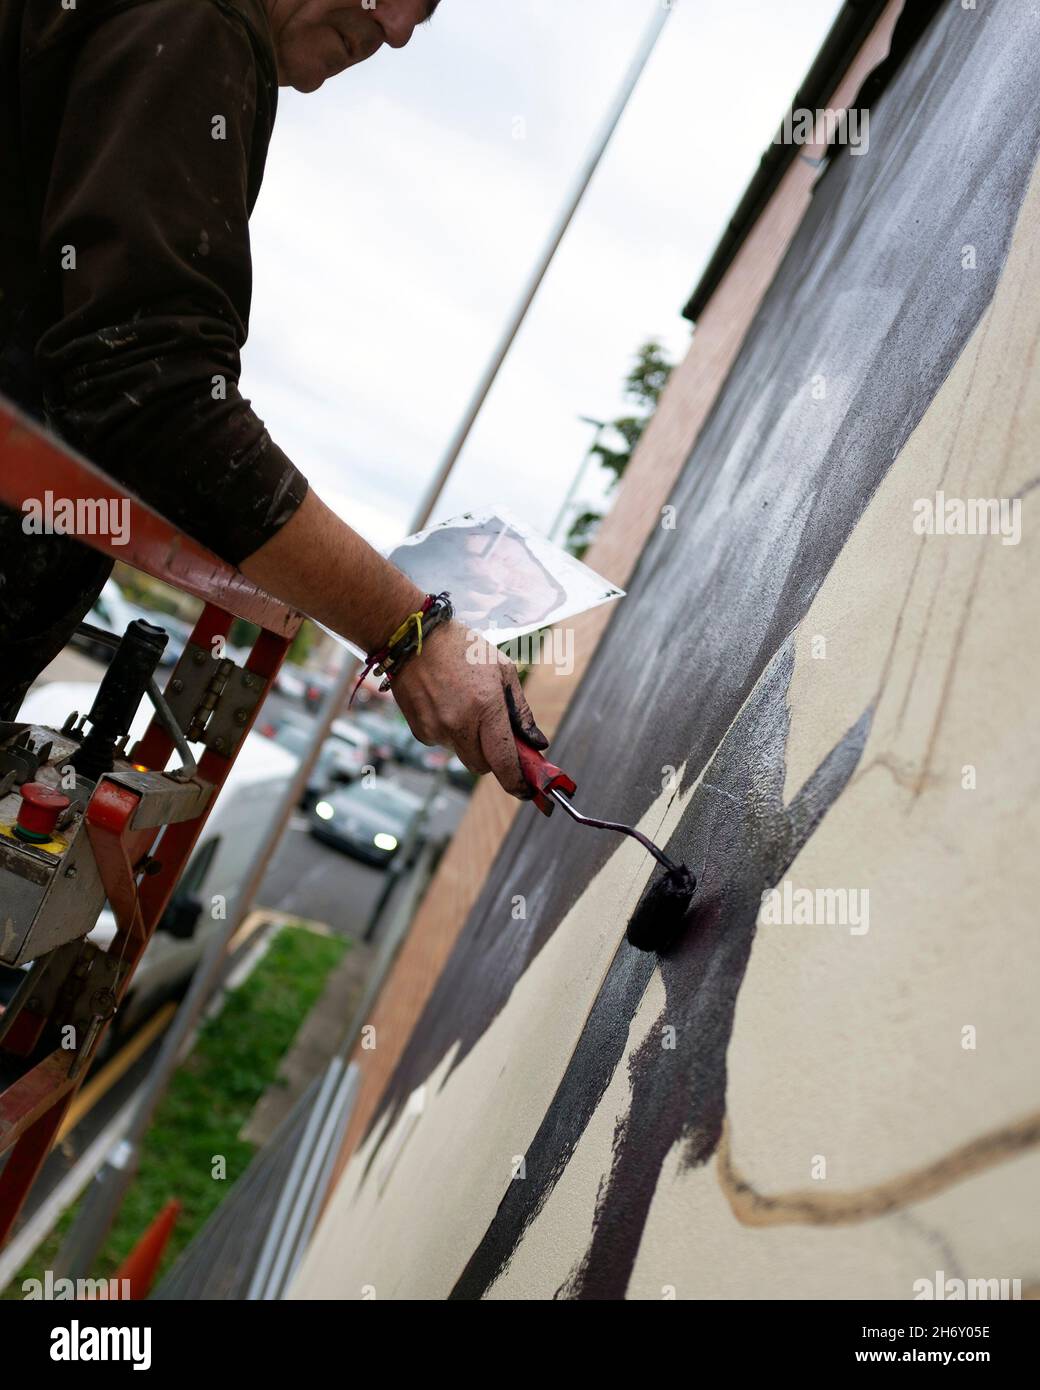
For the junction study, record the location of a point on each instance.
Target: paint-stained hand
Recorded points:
(462, 693)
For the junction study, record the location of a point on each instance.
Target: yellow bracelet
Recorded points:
(398, 636)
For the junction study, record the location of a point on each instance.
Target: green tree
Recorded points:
(615, 444)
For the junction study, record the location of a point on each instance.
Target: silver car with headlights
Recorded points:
(372, 821)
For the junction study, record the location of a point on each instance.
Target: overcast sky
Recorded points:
(401, 214)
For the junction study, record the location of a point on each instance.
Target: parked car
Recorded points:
(376, 726)
(318, 686)
(371, 822)
(405, 747)
(353, 750)
(392, 733)
(291, 681)
(114, 612)
(344, 756)
(293, 737)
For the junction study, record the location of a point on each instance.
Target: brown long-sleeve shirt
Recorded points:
(133, 136)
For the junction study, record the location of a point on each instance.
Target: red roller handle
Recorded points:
(543, 776)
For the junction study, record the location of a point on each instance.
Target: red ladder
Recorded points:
(125, 816)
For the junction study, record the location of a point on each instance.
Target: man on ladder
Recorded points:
(133, 138)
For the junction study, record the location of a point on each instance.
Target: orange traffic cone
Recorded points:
(140, 1265)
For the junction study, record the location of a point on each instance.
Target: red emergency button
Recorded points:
(40, 809)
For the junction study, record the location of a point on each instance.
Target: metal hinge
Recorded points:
(212, 699)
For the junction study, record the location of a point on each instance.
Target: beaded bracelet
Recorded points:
(407, 640)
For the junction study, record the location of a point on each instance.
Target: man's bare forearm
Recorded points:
(458, 693)
(319, 564)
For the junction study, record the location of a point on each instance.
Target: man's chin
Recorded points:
(306, 66)
(303, 77)
(305, 85)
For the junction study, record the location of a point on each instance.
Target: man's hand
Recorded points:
(461, 692)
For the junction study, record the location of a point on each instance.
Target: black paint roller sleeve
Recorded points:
(662, 908)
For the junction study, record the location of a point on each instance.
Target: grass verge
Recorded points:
(192, 1150)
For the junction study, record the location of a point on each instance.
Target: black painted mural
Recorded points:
(873, 300)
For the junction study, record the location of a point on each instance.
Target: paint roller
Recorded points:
(660, 912)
